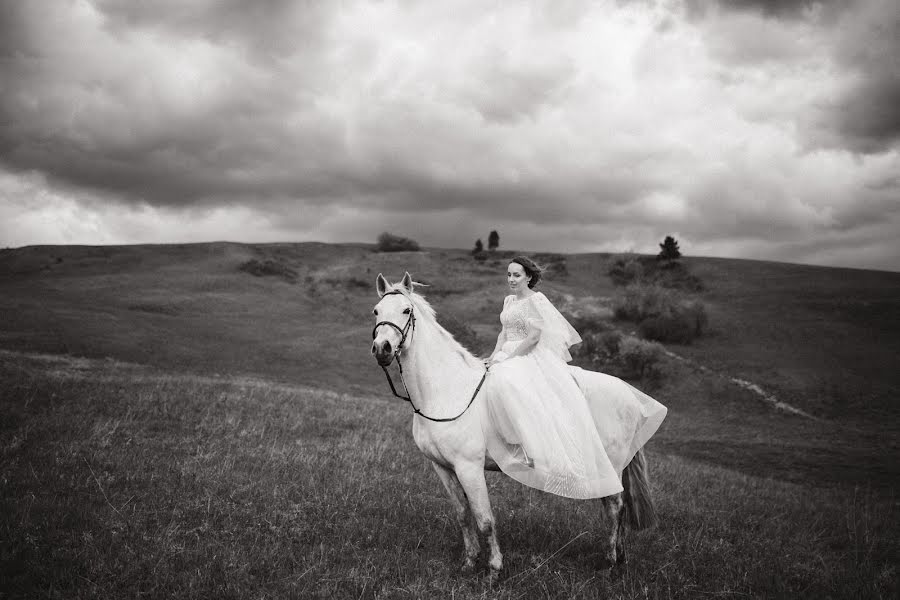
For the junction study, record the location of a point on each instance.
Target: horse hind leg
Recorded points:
(463, 516)
(621, 556)
(615, 510)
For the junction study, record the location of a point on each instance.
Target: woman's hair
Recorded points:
(531, 269)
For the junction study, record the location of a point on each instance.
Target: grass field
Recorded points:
(124, 482)
(175, 427)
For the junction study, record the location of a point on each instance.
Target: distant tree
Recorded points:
(479, 247)
(493, 240)
(388, 242)
(669, 249)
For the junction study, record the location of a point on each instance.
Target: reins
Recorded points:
(407, 329)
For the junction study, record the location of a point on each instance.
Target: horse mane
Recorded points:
(424, 309)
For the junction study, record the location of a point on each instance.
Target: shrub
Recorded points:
(350, 282)
(479, 247)
(695, 312)
(601, 347)
(269, 268)
(589, 346)
(674, 275)
(640, 358)
(662, 314)
(626, 268)
(586, 324)
(611, 341)
(642, 301)
(667, 328)
(388, 242)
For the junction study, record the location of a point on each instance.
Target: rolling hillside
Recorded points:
(206, 421)
(824, 340)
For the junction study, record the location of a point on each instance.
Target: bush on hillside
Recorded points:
(351, 283)
(269, 268)
(662, 314)
(627, 269)
(641, 358)
(599, 347)
(611, 342)
(642, 301)
(388, 242)
(676, 276)
(695, 312)
(587, 323)
(624, 356)
(667, 328)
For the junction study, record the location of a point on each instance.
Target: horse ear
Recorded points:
(407, 282)
(381, 285)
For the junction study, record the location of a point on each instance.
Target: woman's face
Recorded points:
(516, 277)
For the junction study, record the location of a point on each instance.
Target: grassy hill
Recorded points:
(824, 339)
(197, 318)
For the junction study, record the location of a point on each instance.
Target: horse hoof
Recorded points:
(611, 560)
(621, 558)
(493, 577)
(468, 567)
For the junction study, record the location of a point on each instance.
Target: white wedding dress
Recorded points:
(556, 427)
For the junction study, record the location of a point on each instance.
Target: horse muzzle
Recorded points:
(384, 360)
(383, 352)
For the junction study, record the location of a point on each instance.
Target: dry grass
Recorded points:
(121, 482)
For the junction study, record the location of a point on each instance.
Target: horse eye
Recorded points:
(375, 312)
(406, 312)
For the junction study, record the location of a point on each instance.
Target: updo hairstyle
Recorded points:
(531, 269)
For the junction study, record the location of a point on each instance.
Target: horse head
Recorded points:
(394, 319)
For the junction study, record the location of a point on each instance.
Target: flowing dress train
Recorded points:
(556, 427)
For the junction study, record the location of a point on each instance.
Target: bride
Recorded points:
(552, 426)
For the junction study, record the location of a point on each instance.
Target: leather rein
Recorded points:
(407, 330)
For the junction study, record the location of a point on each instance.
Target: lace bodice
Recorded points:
(515, 315)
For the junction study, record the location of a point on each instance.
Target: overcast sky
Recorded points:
(755, 128)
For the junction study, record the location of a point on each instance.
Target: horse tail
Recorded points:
(639, 508)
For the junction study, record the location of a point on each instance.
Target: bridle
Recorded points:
(408, 330)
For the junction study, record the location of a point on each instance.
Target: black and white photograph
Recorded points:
(548, 299)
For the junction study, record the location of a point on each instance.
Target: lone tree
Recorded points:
(493, 240)
(479, 247)
(669, 249)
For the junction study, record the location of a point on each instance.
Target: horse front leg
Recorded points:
(615, 510)
(471, 477)
(463, 515)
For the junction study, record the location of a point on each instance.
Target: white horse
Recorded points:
(442, 380)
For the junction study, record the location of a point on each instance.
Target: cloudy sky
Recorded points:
(746, 128)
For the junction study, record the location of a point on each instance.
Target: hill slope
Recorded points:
(825, 340)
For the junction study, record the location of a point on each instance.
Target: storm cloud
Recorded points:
(753, 129)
